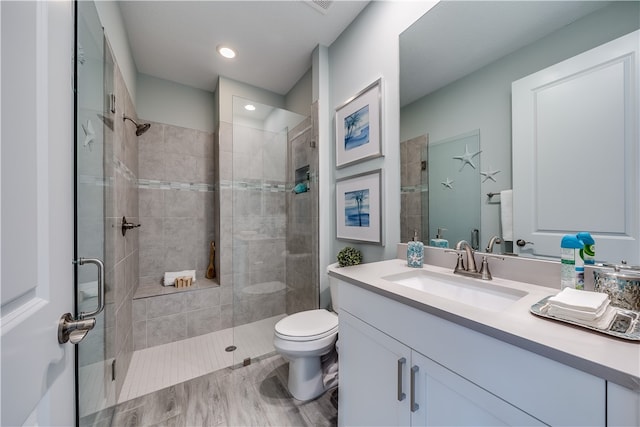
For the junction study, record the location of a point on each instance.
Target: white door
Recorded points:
(36, 228)
(576, 154)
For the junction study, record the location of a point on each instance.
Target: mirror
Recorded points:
(457, 63)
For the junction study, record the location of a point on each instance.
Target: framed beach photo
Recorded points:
(358, 127)
(359, 208)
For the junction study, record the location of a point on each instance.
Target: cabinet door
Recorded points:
(623, 406)
(374, 388)
(447, 399)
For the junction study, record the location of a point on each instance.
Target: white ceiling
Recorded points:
(176, 40)
(456, 38)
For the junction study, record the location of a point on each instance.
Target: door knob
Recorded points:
(523, 243)
(74, 331)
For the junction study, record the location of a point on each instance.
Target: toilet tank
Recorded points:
(333, 289)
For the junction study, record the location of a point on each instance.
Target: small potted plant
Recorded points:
(349, 256)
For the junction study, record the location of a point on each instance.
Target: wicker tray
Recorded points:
(625, 323)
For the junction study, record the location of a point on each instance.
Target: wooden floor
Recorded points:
(255, 395)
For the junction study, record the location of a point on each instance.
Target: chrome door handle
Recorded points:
(414, 373)
(401, 362)
(74, 330)
(100, 307)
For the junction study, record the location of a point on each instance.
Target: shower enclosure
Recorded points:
(93, 65)
(274, 222)
(264, 209)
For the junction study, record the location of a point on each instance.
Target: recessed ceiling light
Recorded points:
(227, 52)
(250, 107)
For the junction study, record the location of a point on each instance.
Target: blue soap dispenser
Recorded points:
(439, 241)
(415, 252)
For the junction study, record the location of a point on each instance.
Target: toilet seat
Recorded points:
(307, 325)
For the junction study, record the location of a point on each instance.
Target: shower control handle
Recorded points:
(128, 225)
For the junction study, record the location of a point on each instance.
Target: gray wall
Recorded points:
(111, 18)
(172, 103)
(482, 100)
(298, 99)
(365, 51)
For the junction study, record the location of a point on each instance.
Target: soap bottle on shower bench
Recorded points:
(415, 252)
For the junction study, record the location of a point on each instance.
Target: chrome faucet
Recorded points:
(471, 261)
(471, 270)
(493, 241)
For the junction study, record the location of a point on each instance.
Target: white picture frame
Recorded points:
(359, 127)
(359, 208)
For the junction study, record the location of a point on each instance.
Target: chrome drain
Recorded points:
(231, 348)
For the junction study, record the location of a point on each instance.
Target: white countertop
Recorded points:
(606, 357)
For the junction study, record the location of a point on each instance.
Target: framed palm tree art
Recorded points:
(358, 127)
(358, 208)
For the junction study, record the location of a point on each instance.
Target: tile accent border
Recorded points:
(154, 184)
(414, 189)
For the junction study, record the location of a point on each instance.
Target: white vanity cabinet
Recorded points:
(374, 376)
(623, 406)
(463, 377)
(383, 382)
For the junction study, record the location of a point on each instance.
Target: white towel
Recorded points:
(576, 299)
(602, 322)
(506, 214)
(170, 276)
(570, 313)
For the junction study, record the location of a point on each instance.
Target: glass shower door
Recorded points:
(95, 390)
(261, 283)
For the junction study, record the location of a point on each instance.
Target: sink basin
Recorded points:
(477, 293)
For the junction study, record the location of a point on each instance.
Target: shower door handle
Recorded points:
(72, 329)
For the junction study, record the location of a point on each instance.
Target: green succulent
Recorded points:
(349, 256)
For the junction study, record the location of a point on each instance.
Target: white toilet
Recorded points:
(302, 339)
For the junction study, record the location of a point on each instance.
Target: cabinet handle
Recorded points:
(414, 405)
(401, 363)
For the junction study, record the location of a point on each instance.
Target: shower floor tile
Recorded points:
(162, 366)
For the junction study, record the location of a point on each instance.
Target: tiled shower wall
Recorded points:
(259, 223)
(177, 171)
(302, 220)
(121, 252)
(176, 196)
(275, 234)
(413, 194)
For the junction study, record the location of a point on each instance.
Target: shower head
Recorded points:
(140, 128)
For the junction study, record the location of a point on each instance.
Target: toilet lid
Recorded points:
(308, 324)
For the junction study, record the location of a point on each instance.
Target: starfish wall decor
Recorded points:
(467, 157)
(490, 174)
